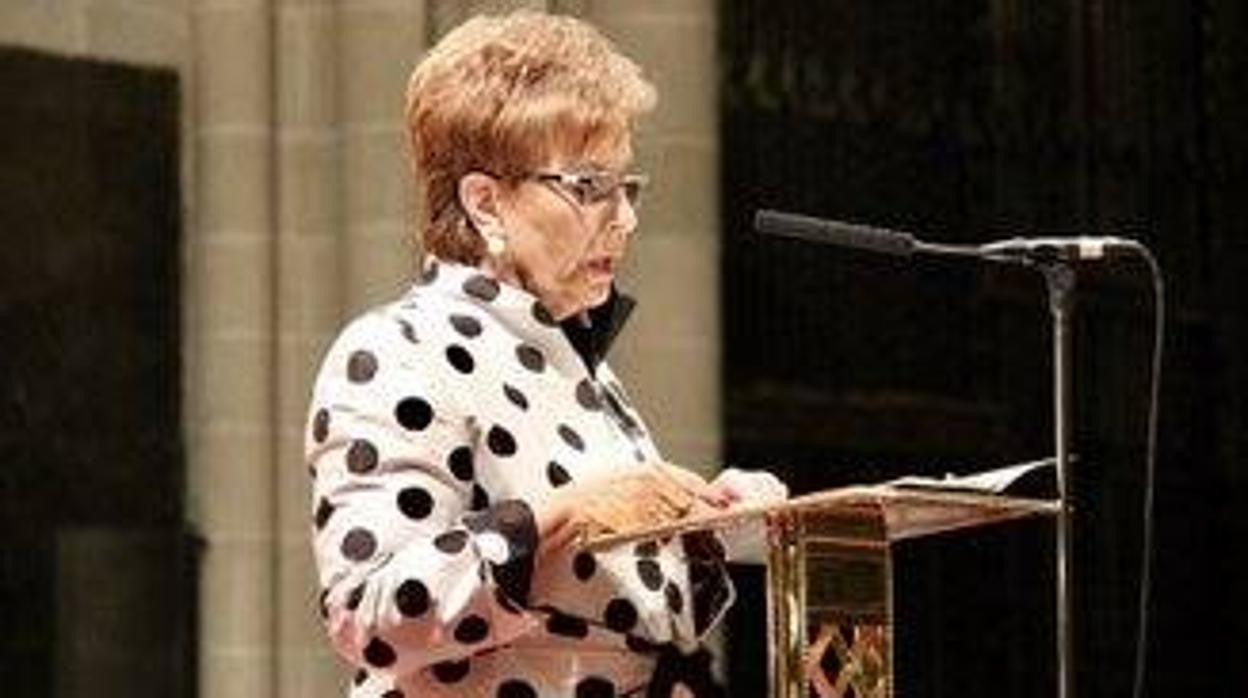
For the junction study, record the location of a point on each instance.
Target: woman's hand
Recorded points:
(751, 486)
(637, 496)
(747, 542)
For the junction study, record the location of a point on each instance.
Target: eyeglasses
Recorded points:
(595, 186)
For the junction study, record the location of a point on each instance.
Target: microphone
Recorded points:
(1070, 249)
(865, 237)
(862, 237)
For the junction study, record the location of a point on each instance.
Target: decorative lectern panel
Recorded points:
(830, 576)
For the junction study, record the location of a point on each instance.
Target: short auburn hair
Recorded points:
(501, 95)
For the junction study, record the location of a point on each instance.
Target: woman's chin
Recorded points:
(598, 293)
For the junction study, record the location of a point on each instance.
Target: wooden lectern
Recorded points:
(830, 575)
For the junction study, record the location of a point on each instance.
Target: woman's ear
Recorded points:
(480, 195)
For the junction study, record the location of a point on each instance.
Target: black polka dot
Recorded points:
(322, 603)
(359, 544)
(460, 463)
(412, 598)
(621, 615)
(355, 597)
(675, 599)
(413, 413)
(360, 677)
(466, 325)
(472, 630)
(650, 573)
(379, 654)
(587, 395)
(543, 316)
(480, 498)
(451, 542)
(501, 442)
(460, 359)
(320, 425)
(451, 672)
(571, 438)
(415, 502)
(595, 687)
(639, 456)
(648, 548)
(584, 565)
(409, 332)
(392, 693)
(516, 397)
(362, 456)
(324, 510)
(515, 688)
(564, 625)
(531, 358)
(639, 644)
(481, 287)
(557, 474)
(361, 366)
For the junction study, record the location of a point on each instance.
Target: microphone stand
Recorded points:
(1054, 260)
(1059, 277)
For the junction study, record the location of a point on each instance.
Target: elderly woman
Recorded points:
(461, 435)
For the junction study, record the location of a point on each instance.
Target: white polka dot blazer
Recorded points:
(436, 422)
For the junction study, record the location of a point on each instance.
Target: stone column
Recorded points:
(230, 337)
(380, 43)
(309, 297)
(670, 354)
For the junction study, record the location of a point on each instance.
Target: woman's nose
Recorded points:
(624, 213)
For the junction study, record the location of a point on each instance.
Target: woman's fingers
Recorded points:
(753, 486)
(692, 483)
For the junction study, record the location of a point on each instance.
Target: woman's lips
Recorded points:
(601, 266)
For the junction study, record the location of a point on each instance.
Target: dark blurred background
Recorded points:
(1002, 119)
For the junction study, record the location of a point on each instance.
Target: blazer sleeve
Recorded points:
(416, 572)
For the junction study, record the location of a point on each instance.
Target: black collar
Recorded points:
(591, 333)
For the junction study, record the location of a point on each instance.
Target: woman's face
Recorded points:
(568, 225)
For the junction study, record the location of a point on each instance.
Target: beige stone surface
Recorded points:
(309, 293)
(232, 66)
(233, 275)
(381, 43)
(242, 673)
(237, 585)
(233, 480)
(309, 185)
(52, 25)
(375, 177)
(381, 260)
(306, 44)
(683, 197)
(447, 14)
(137, 32)
(308, 673)
(678, 56)
(232, 182)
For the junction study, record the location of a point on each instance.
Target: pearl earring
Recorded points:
(495, 244)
